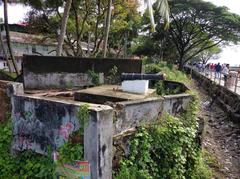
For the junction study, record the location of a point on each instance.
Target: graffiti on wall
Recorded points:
(37, 127)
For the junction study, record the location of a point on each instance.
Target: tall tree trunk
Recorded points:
(107, 27)
(181, 61)
(5, 53)
(8, 37)
(63, 27)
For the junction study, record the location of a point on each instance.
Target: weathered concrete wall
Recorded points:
(176, 104)
(65, 72)
(130, 114)
(49, 64)
(227, 99)
(58, 80)
(7, 89)
(39, 122)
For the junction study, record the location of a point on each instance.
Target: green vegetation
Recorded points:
(85, 21)
(7, 75)
(161, 89)
(191, 35)
(168, 149)
(25, 165)
(83, 117)
(94, 77)
(169, 69)
(113, 78)
(29, 164)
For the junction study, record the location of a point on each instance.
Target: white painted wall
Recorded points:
(135, 86)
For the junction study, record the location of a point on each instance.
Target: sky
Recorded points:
(230, 54)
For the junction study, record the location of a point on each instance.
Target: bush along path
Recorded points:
(221, 140)
(168, 149)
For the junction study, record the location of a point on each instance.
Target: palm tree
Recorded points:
(107, 27)
(8, 37)
(63, 27)
(162, 9)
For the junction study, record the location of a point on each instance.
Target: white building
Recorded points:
(29, 44)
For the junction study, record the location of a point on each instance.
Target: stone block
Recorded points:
(40, 122)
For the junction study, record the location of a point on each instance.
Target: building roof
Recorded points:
(30, 39)
(25, 38)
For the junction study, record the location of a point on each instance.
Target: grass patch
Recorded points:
(173, 74)
(4, 75)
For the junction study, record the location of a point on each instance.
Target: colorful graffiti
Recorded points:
(65, 130)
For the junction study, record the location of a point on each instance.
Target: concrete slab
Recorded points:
(105, 93)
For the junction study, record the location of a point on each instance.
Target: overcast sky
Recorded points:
(230, 55)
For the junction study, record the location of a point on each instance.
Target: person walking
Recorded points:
(211, 69)
(239, 71)
(225, 72)
(218, 70)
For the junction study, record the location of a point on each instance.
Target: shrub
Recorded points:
(168, 69)
(167, 149)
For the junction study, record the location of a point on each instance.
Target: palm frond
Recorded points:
(163, 10)
(150, 10)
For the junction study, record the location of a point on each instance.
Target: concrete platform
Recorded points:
(108, 93)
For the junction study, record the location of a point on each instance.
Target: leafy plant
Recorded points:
(162, 90)
(29, 164)
(167, 149)
(112, 78)
(168, 69)
(70, 152)
(83, 117)
(94, 77)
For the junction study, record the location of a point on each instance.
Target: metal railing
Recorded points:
(232, 82)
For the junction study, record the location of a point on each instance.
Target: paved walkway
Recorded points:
(221, 81)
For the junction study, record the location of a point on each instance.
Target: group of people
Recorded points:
(216, 69)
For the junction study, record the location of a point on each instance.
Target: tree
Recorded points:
(63, 27)
(8, 37)
(162, 9)
(197, 25)
(107, 27)
(85, 23)
(4, 50)
(123, 28)
(206, 55)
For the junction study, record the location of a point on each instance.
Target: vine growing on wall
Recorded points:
(29, 164)
(26, 164)
(168, 149)
(83, 117)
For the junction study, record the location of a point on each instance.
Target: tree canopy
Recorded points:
(85, 23)
(196, 26)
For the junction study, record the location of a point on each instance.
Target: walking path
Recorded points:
(222, 139)
(235, 87)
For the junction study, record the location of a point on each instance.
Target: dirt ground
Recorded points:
(222, 138)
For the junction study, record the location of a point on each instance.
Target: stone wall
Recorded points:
(40, 122)
(130, 114)
(176, 104)
(227, 99)
(58, 80)
(7, 89)
(67, 72)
